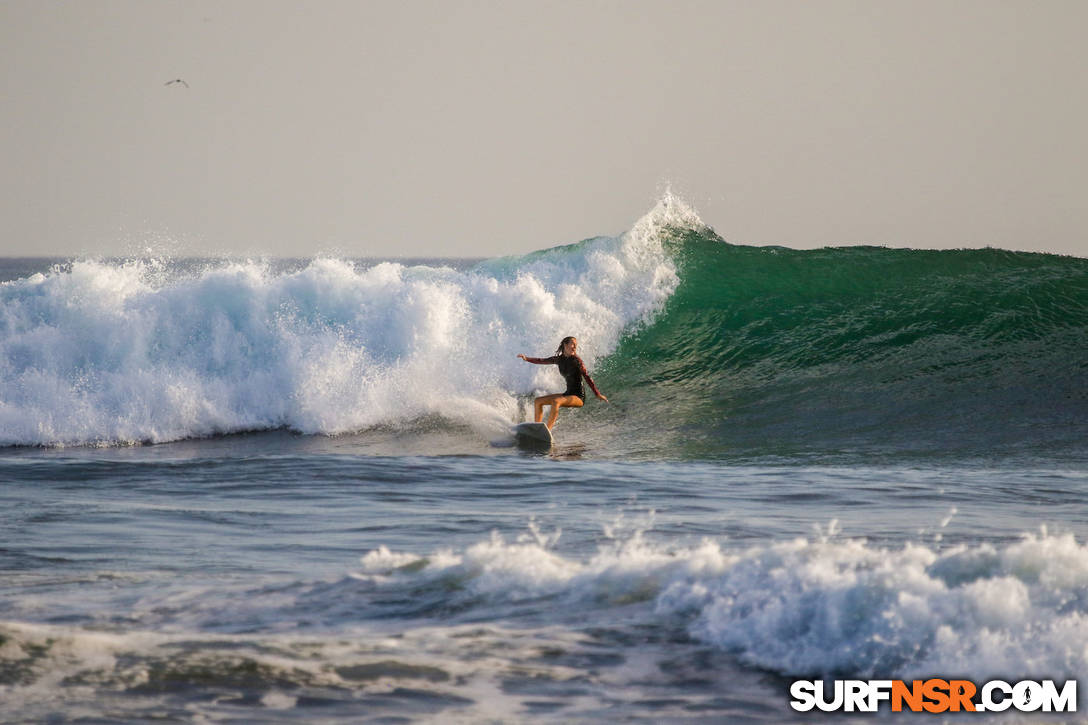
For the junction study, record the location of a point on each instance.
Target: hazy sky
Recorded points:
(458, 128)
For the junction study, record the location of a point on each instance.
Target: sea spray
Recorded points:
(99, 352)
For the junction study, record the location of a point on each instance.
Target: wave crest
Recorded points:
(104, 353)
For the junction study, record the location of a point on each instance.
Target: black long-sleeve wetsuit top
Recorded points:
(573, 370)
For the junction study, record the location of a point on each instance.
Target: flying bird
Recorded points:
(176, 80)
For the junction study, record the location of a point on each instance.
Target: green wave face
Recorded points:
(771, 350)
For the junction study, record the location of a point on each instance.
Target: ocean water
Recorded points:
(283, 491)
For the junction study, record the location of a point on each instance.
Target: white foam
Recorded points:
(826, 605)
(821, 605)
(106, 353)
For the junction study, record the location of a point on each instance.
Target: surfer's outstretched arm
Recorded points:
(554, 359)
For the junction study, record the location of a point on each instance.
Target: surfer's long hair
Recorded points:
(559, 350)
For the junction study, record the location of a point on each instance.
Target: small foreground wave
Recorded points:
(824, 606)
(507, 629)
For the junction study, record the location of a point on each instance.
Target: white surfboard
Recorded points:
(533, 434)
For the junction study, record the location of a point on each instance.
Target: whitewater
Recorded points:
(101, 352)
(286, 490)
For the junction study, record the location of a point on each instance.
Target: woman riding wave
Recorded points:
(573, 370)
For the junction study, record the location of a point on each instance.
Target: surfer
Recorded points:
(573, 370)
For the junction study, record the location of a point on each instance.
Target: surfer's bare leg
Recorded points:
(557, 402)
(539, 403)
